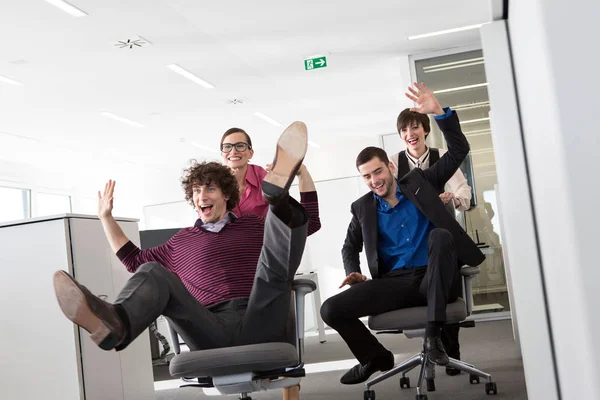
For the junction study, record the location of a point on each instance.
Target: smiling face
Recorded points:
(236, 158)
(379, 177)
(413, 135)
(210, 201)
(413, 128)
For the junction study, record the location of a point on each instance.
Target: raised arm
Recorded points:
(447, 120)
(129, 254)
(309, 199)
(115, 235)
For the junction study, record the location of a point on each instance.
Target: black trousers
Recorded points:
(433, 286)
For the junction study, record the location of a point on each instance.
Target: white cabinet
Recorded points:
(45, 356)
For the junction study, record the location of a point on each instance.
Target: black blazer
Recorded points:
(419, 187)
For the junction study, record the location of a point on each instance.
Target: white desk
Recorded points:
(45, 356)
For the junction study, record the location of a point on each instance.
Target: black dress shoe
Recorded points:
(360, 373)
(451, 371)
(435, 351)
(291, 149)
(93, 314)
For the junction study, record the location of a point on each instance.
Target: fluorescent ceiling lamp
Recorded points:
(20, 137)
(313, 144)
(445, 32)
(187, 74)
(456, 89)
(480, 132)
(470, 106)
(123, 120)
(267, 119)
(482, 151)
(206, 148)
(68, 8)
(9, 81)
(472, 121)
(453, 65)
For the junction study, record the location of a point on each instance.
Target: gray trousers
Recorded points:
(263, 317)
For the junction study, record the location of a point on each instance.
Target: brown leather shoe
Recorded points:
(88, 311)
(291, 149)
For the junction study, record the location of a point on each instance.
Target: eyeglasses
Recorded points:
(239, 146)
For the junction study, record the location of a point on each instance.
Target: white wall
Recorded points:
(553, 44)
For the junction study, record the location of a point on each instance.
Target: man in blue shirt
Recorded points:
(413, 247)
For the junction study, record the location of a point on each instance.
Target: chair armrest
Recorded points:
(304, 284)
(174, 339)
(301, 288)
(468, 273)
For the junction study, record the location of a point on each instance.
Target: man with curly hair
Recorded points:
(219, 282)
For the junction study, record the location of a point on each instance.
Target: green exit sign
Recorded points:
(315, 63)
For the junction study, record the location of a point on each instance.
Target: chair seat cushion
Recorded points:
(234, 360)
(416, 317)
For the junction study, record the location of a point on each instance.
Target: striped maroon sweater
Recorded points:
(215, 266)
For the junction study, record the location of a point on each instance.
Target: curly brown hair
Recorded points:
(205, 173)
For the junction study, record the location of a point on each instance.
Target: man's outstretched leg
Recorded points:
(152, 291)
(283, 244)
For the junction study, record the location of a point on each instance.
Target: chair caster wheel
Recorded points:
(430, 385)
(490, 388)
(474, 379)
(404, 382)
(421, 397)
(369, 395)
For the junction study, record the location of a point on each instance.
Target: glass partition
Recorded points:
(458, 80)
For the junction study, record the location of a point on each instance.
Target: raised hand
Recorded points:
(426, 101)
(105, 201)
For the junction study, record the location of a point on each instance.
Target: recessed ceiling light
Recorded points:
(9, 81)
(267, 119)
(445, 32)
(313, 144)
(187, 74)
(68, 8)
(122, 119)
(456, 89)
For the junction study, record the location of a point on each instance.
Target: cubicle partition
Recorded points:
(44, 355)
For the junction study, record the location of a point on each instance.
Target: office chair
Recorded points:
(249, 368)
(412, 322)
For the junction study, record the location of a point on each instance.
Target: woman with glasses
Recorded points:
(236, 151)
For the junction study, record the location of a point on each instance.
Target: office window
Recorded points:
(51, 204)
(15, 204)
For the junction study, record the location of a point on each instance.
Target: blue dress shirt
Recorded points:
(403, 234)
(403, 230)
